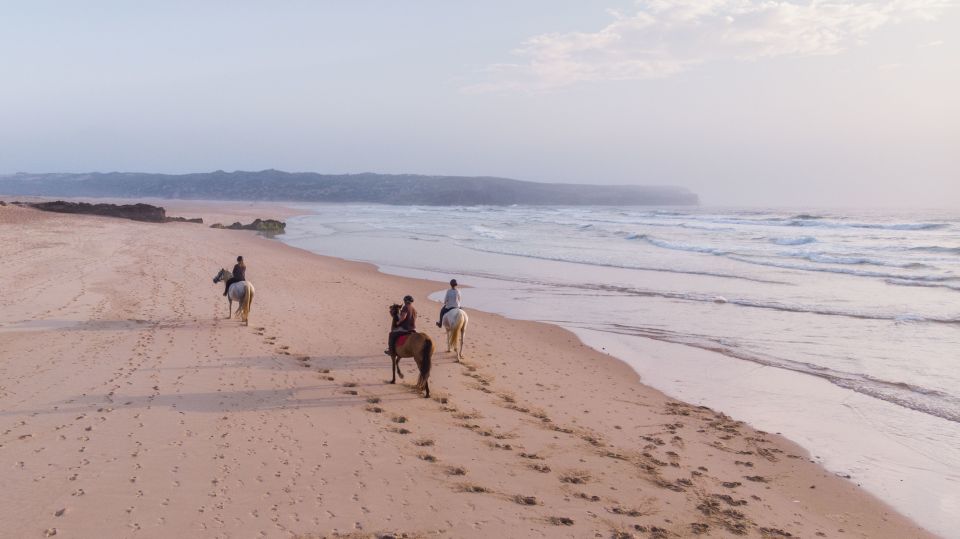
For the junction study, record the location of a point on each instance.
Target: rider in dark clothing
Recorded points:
(407, 323)
(239, 274)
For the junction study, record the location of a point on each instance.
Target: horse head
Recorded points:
(222, 275)
(395, 312)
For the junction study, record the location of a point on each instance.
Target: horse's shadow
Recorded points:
(293, 362)
(331, 363)
(131, 324)
(214, 401)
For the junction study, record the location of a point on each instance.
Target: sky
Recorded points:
(766, 102)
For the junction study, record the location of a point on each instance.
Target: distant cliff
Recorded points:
(402, 189)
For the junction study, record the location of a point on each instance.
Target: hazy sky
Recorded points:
(745, 102)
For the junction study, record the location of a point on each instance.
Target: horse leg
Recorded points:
(396, 369)
(426, 387)
(393, 369)
(247, 303)
(463, 335)
(229, 308)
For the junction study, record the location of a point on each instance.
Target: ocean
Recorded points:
(838, 329)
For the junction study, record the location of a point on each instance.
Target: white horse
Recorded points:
(241, 292)
(455, 322)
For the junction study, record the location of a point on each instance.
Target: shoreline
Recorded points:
(638, 459)
(900, 455)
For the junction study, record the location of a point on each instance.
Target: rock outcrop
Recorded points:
(197, 220)
(267, 226)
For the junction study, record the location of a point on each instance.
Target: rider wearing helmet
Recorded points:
(450, 302)
(239, 274)
(406, 323)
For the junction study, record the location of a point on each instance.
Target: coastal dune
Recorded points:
(130, 407)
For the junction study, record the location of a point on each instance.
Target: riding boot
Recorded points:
(391, 344)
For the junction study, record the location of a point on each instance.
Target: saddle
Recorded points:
(403, 338)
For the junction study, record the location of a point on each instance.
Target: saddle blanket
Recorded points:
(402, 339)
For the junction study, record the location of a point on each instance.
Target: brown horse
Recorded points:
(418, 346)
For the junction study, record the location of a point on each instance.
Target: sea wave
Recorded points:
(907, 282)
(590, 262)
(826, 258)
(802, 240)
(706, 227)
(929, 401)
(750, 303)
(810, 221)
(676, 246)
(937, 249)
(812, 256)
(844, 271)
(877, 226)
(485, 232)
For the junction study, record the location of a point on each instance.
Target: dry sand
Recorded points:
(130, 407)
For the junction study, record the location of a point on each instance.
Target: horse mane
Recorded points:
(394, 314)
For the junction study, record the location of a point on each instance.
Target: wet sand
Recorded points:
(130, 407)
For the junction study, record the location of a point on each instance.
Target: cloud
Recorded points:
(663, 38)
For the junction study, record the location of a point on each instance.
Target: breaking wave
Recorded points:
(802, 240)
(815, 257)
(921, 399)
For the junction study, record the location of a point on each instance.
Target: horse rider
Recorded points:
(239, 274)
(406, 323)
(450, 302)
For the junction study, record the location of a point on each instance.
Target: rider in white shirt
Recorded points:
(450, 301)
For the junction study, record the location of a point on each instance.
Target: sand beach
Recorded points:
(131, 407)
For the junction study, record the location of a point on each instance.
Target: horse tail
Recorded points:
(463, 333)
(427, 352)
(455, 331)
(247, 301)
